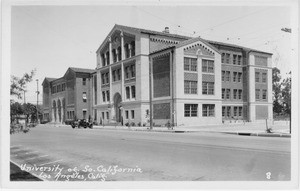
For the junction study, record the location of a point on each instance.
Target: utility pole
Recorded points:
(37, 100)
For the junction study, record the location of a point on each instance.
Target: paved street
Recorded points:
(117, 155)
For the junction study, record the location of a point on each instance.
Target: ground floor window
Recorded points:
(223, 111)
(208, 110)
(126, 114)
(132, 114)
(103, 115)
(107, 115)
(190, 110)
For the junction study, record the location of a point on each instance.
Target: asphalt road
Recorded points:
(120, 155)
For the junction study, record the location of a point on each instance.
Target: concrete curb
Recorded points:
(259, 134)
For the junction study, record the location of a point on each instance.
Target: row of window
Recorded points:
(237, 93)
(70, 114)
(237, 111)
(259, 96)
(129, 72)
(191, 110)
(236, 59)
(129, 49)
(190, 64)
(191, 87)
(261, 77)
(58, 88)
(236, 76)
(126, 114)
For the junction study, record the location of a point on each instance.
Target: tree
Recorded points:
(286, 94)
(277, 106)
(16, 109)
(29, 110)
(18, 85)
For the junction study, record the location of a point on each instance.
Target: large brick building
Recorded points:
(193, 81)
(187, 81)
(68, 97)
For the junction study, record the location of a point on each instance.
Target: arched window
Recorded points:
(114, 54)
(126, 48)
(119, 53)
(107, 58)
(132, 48)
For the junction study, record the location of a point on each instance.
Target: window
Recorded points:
(84, 114)
(190, 110)
(223, 58)
(103, 96)
(190, 87)
(223, 76)
(127, 92)
(132, 48)
(208, 110)
(107, 115)
(228, 76)
(227, 58)
(103, 78)
(235, 109)
(103, 115)
(103, 59)
(107, 78)
(208, 66)
(208, 88)
(119, 53)
(223, 93)
(107, 95)
(119, 74)
(126, 72)
(95, 114)
(256, 76)
(186, 64)
(227, 93)
(84, 96)
(234, 76)
(126, 114)
(234, 59)
(114, 54)
(239, 60)
(132, 67)
(126, 47)
(234, 93)
(240, 111)
(264, 94)
(240, 94)
(228, 111)
(132, 114)
(223, 111)
(107, 58)
(239, 77)
(133, 91)
(83, 81)
(257, 94)
(190, 64)
(114, 75)
(63, 87)
(264, 77)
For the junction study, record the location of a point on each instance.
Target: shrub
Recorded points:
(144, 124)
(127, 124)
(132, 124)
(139, 124)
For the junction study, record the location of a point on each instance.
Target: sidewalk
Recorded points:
(279, 129)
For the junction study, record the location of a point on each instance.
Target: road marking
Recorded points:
(37, 157)
(50, 162)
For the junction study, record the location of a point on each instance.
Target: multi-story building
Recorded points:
(186, 81)
(182, 80)
(68, 97)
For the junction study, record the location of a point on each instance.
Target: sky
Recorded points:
(52, 38)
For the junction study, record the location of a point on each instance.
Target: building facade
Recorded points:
(69, 97)
(182, 80)
(186, 81)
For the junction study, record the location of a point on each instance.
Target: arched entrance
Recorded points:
(117, 107)
(59, 110)
(54, 110)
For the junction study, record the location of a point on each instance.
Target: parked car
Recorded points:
(82, 123)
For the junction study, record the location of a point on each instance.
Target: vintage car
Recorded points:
(81, 123)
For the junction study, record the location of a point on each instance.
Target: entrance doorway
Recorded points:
(117, 107)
